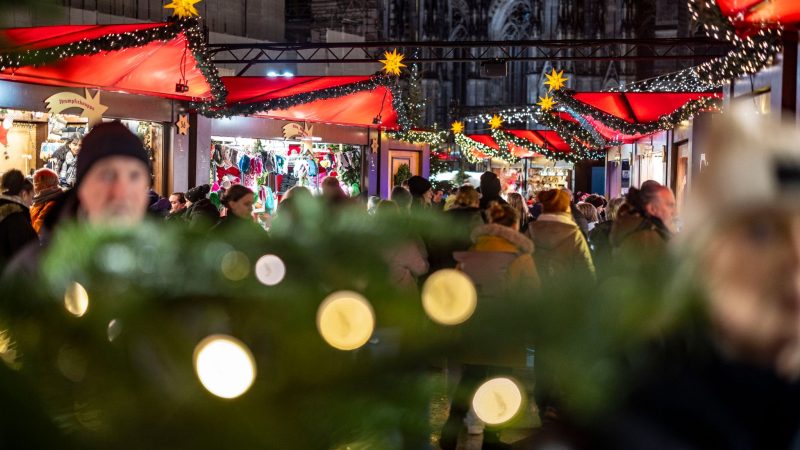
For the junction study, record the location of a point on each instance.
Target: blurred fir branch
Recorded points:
(132, 384)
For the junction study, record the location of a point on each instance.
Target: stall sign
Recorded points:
(89, 105)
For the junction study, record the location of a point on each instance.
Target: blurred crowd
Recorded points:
(742, 245)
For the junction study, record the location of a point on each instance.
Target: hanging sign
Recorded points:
(183, 124)
(90, 106)
(302, 133)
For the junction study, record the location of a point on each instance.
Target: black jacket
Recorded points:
(202, 211)
(16, 230)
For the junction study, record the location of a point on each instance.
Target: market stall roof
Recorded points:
(148, 58)
(543, 138)
(484, 139)
(640, 107)
(758, 12)
(345, 100)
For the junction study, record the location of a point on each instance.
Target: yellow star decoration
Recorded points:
(496, 122)
(183, 8)
(393, 62)
(546, 103)
(555, 80)
(457, 127)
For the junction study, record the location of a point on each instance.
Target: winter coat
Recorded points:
(561, 248)
(43, 204)
(500, 255)
(202, 211)
(461, 222)
(406, 263)
(599, 241)
(580, 220)
(16, 230)
(634, 233)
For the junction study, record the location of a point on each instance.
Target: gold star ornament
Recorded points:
(495, 122)
(183, 124)
(546, 103)
(393, 62)
(555, 80)
(457, 127)
(183, 8)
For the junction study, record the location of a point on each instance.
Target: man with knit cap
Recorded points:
(561, 249)
(46, 192)
(112, 177)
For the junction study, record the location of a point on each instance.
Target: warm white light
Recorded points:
(76, 299)
(345, 320)
(224, 365)
(235, 265)
(270, 270)
(497, 401)
(288, 74)
(8, 122)
(114, 329)
(449, 297)
(272, 73)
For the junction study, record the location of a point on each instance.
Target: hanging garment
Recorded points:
(244, 164)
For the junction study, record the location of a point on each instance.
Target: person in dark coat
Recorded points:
(16, 229)
(200, 210)
(463, 217)
(112, 175)
(490, 192)
(421, 192)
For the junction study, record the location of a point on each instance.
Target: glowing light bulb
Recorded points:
(270, 270)
(345, 320)
(497, 400)
(224, 365)
(235, 266)
(8, 122)
(449, 297)
(76, 299)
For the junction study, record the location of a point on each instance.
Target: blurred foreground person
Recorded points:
(112, 178)
(332, 192)
(726, 375)
(16, 230)
(408, 261)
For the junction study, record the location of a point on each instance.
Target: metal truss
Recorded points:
(693, 49)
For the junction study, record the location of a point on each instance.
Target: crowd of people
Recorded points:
(500, 241)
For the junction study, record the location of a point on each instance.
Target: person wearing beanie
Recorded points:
(16, 230)
(421, 192)
(199, 210)
(561, 249)
(490, 189)
(46, 192)
(112, 177)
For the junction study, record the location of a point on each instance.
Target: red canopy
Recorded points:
(544, 138)
(151, 69)
(638, 107)
(761, 11)
(484, 139)
(355, 109)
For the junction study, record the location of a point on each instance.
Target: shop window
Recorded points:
(270, 167)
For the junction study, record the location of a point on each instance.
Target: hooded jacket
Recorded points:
(514, 256)
(561, 247)
(42, 205)
(636, 233)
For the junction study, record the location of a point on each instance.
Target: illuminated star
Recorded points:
(393, 62)
(457, 127)
(496, 122)
(555, 80)
(546, 103)
(183, 8)
(183, 124)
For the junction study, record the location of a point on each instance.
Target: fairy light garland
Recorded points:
(189, 27)
(504, 138)
(466, 144)
(665, 122)
(433, 138)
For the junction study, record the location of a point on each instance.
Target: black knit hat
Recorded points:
(418, 186)
(108, 139)
(197, 193)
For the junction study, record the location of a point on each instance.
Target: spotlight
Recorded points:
(288, 74)
(376, 120)
(181, 87)
(272, 73)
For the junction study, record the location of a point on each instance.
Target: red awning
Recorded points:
(544, 138)
(638, 107)
(484, 139)
(761, 11)
(151, 69)
(356, 109)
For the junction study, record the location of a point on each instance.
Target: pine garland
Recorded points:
(466, 143)
(189, 27)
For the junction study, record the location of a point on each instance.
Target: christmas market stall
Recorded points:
(56, 81)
